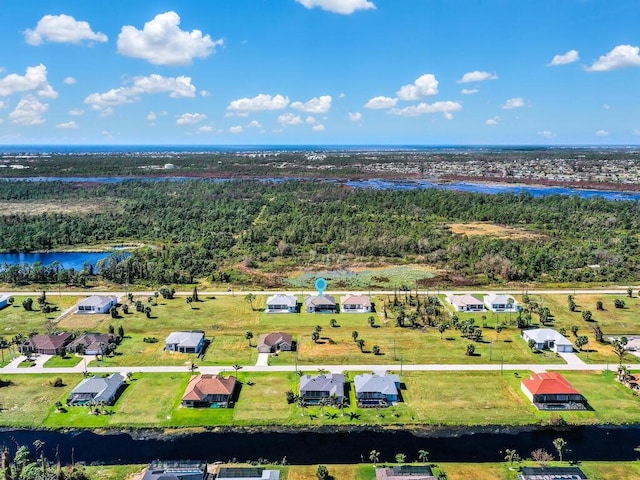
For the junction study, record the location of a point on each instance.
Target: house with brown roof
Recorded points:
(210, 391)
(551, 391)
(47, 344)
(275, 342)
(356, 304)
(92, 343)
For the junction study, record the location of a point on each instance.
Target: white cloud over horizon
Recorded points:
(344, 7)
(62, 29)
(381, 102)
(469, 91)
(622, 56)
(315, 105)
(425, 86)
(446, 108)
(190, 118)
(571, 56)
(355, 116)
(67, 125)
(290, 119)
(34, 79)
(29, 112)
(161, 42)
(259, 103)
(517, 102)
(477, 76)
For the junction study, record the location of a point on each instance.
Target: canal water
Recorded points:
(583, 443)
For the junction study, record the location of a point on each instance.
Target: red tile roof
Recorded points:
(207, 384)
(549, 384)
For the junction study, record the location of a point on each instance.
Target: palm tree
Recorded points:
(302, 404)
(360, 343)
(237, 367)
(250, 297)
(249, 336)
(511, 456)
(315, 336)
(3, 344)
(423, 456)
(560, 443)
(374, 456)
(354, 335)
(323, 402)
(342, 404)
(190, 301)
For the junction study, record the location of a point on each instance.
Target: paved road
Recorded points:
(552, 291)
(13, 368)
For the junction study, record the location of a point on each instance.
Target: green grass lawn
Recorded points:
(66, 361)
(15, 319)
(112, 472)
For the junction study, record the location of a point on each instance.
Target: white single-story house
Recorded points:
(547, 338)
(376, 389)
(356, 304)
(185, 342)
(247, 473)
(320, 304)
(501, 303)
(465, 303)
(4, 301)
(282, 304)
(96, 304)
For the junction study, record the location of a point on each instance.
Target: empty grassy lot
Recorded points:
(15, 319)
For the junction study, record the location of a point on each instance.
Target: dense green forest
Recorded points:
(198, 229)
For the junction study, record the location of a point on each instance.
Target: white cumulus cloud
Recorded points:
(176, 87)
(69, 81)
(446, 108)
(492, 121)
(477, 76)
(344, 7)
(602, 133)
(205, 93)
(236, 129)
(62, 29)
(469, 91)
(425, 86)
(258, 103)
(381, 102)
(310, 120)
(161, 42)
(570, 57)
(35, 78)
(620, 57)
(67, 125)
(29, 111)
(205, 129)
(190, 118)
(517, 102)
(355, 116)
(289, 119)
(548, 134)
(318, 128)
(76, 112)
(254, 124)
(315, 105)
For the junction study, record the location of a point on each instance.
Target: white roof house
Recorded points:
(96, 304)
(356, 303)
(282, 303)
(185, 342)
(547, 338)
(501, 303)
(465, 303)
(320, 304)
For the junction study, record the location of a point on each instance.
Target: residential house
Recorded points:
(275, 342)
(97, 390)
(405, 472)
(313, 388)
(551, 391)
(377, 389)
(547, 338)
(465, 303)
(96, 304)
(210, 391)
(247, 473)
(4, 301)
(282, 304)
(185, 342)
(92, 344)
(176, 470)
(552, 473)
(321, 304)
(501, 303)
(47, 344)
(356, 304)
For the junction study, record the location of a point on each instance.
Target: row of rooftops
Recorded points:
(316, 300)
(492, 301)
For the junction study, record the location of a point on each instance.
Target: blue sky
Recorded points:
(263, 72)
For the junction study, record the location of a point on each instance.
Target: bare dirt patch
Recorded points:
(38, 208)
(491, 230)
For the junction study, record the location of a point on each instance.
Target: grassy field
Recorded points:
(15, 319)
(454, 471)
(612, 321)
(462, 399)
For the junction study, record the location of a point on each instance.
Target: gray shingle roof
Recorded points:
(103, 388)
(368, 382)
(97, 301)
(185, 339)
(332, 383)
(317, 301)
